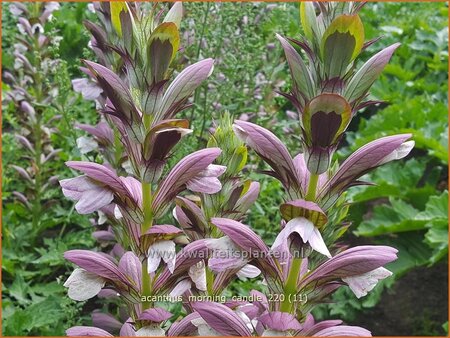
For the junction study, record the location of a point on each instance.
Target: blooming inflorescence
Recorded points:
(206, 193)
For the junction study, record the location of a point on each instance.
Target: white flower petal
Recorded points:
(205, 185)
(398, 153)
(204, 330)
(94, 199)
(180, 288)
(101, 218)
(245, 319)
(150, 331)
(248, 271)
(86, 144)
(117, 214)
(273, 333)
(213, 170)
(197, 273)
(164, 250)
(83, 285)
(91, 8)
(317, 243)
(362, 284)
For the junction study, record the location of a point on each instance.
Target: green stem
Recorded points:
(37, 178)
(146, 289)
(290, 288)
(209, 281)
(312, 187)
(147, 200)
(147, 206)
(117, 147)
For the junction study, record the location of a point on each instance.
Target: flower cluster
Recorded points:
(206, 191)
(31, 93)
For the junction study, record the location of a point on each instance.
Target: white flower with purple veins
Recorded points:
(90, 195)
(197, 273)
(88, 89)
(15, 10)
(225, 254)
(207, 181)
(204, 330)
(83, 285)
(248, 271)
(307, 231)
(164, 250)
(150, 331)
(364, 283)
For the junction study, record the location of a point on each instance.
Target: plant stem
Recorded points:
(117, 147)
(146, 290)
(37, 177)
(291, 285)
(209, 281)
(147, 206)
(312, 187)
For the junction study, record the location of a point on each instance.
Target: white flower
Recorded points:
(203, 328)
(197, 273)
(180, 288)
(86, 144)
(150, 331)
(248, 271)
(21, 29)
(245, 319)
(207, 181)
(88, 89)
(273, 333)
(91, 8)
(101, 218)
(307, 231)
(117, 214)
(15, 11)
(164, 250)
(362, 284)
(83, 285)
(226, 255)
(37, 28)
(399, 153)
(128, 167)
(52, 6)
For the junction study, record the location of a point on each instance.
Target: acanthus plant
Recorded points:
(32, 92)
(305, 264)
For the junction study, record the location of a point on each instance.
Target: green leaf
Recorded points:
(436, 208)
(399, 216)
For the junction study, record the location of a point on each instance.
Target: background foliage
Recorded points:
(407, 208)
